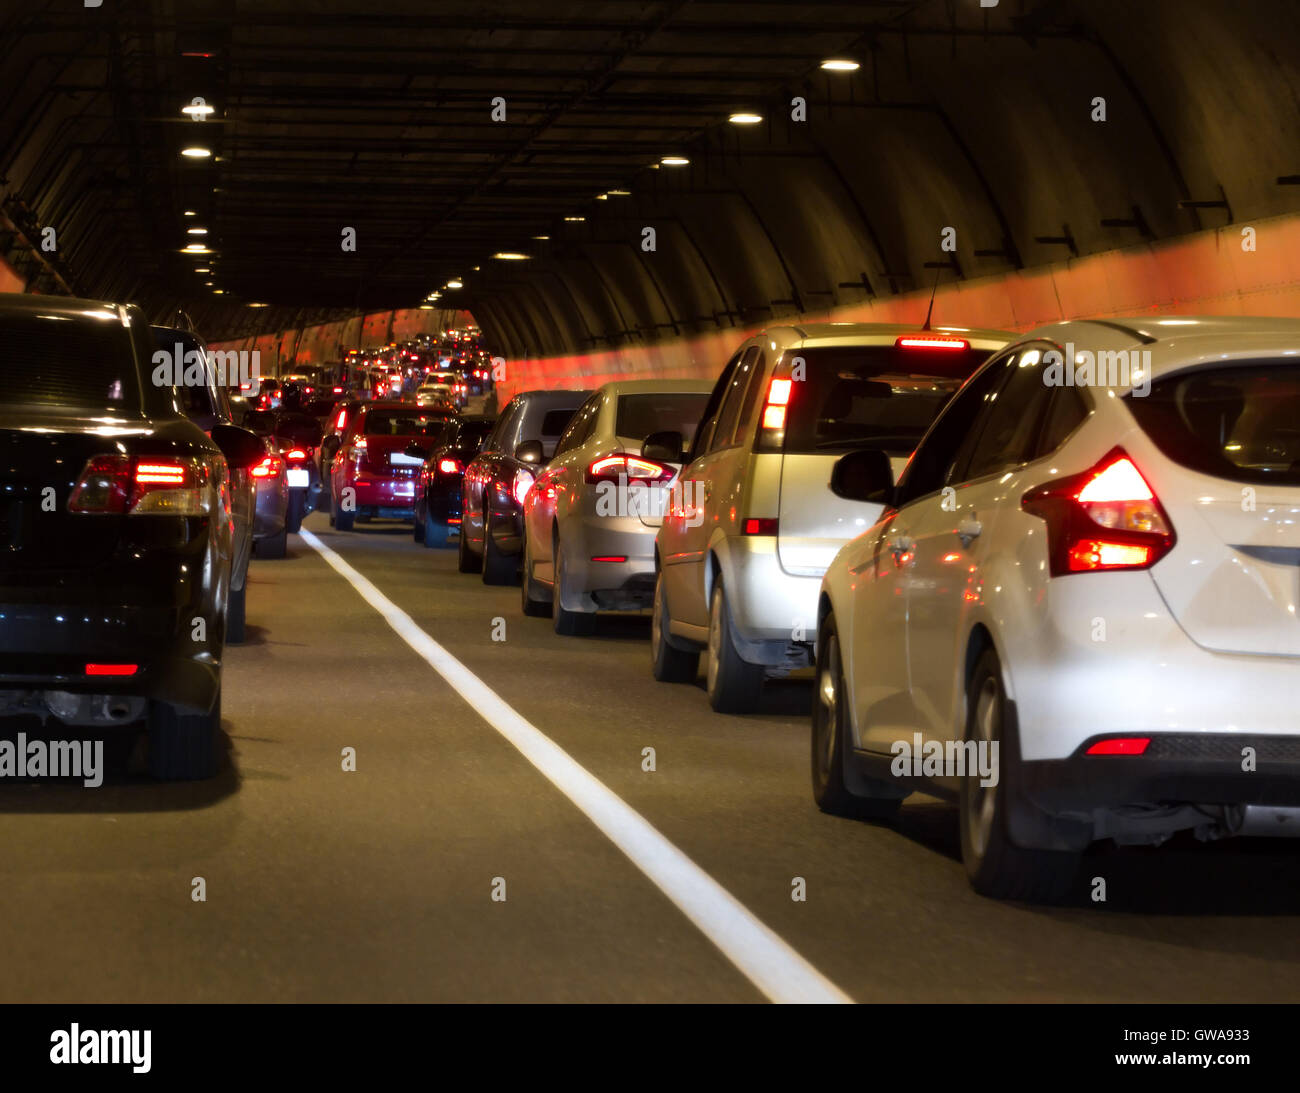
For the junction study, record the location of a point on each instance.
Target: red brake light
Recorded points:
(930, 341)
(104, 485)
(1106, 518)
(112, 669)
(762, 526)
(342, 420)
(609, 557)
(297, 454)
(1120, 745)
(449, 466)
(149, 485)
(269, 467)
(778, 392)
(611, 467)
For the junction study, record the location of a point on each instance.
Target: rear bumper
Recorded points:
(506, 526)
(385, 493)
(47, 638)
(272, 501)
(611, 585)
(766, 602)
(1178, 768)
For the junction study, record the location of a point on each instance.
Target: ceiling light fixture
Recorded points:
(745, 118)
(675, 161)
(197, 110)
(197, 153)
(509, 256)
(840, 64)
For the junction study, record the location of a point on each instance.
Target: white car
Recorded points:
(591, 517)
(1077, 614)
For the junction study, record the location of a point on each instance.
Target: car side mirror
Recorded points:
(664, 447)
(531, 451)
(242, 448)
(864, 476)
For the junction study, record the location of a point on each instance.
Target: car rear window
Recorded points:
(63, 361)
(403, 423)
(1241, 423)
(640, 415)
(872, 396)
(554, 422)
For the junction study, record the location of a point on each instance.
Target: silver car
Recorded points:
(590, 519)
(739, 560)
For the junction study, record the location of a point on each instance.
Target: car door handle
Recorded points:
(969, 530)
(900, 546)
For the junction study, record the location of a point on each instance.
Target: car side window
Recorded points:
(1066, 414)
(929, 468)
(577, 431)
(732, 401)
(748, 417)
(1008, 430)
(709, 419)
(496, 441)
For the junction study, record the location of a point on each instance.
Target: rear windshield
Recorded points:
(1241, 423)
(300, 428)
(472, 433)
(873, 396)
(643, 414)
(62, 361)
(403, 423)
(554, 422)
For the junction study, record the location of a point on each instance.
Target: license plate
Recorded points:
(401, 459)
(298, 478)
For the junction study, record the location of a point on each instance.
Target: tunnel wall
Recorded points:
(1205, 273)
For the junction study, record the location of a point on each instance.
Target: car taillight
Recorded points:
(342, 420)
(449, 466)
(270, 467)
(930, 341)
(148, 485)
(761, 526)
(277, 393)
(1106, 518)
(338, 391)
(611, 468)
(1120, 745)
(778, 398)
(297, 455)
(112, 669)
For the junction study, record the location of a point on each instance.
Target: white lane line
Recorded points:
(764, 958)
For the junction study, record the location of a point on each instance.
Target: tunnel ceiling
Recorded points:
(331, 115)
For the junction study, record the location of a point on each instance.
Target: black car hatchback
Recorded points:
(115, 532)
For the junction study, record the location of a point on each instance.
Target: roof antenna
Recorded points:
(930, 310)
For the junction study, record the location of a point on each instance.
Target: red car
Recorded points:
(375, 469)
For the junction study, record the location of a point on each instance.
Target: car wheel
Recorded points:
(183, 747)
(533, 604)
(668, 663)
(235, 614)
(732, 683)
(997, 867)
(498, 568)
(273, 546)
(467, 561)
(830, 740)
(343, 521)
(568, 623)
(293, 514)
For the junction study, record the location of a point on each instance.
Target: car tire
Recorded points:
(343, 521)
(274, 546)
(733, 684)
(567, 623)
(996, 866)
(235, 603)
(183, 747)
(498, 568)
(466, 560)
(293, 513)
(668, 663)
(830, 741)
(534, 605)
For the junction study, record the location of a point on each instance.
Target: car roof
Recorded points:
(1178, 342)
(57, 305)
(557, 397)
(808, 335)
(658, 386)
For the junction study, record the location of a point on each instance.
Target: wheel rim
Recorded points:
(828, 709)
(981, 801)
(715, 638)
